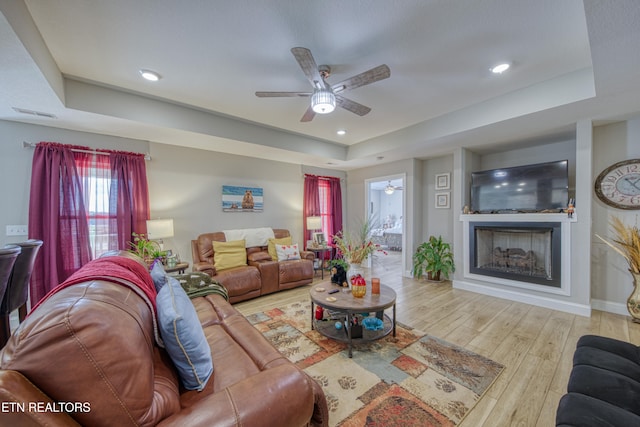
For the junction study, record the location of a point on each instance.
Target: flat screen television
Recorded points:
(529, 188)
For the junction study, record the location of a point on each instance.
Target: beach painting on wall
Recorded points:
(242, 199)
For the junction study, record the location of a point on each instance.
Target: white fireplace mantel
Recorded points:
(515, 290)
(524, 217)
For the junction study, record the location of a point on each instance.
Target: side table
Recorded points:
(179, 268)
(320, 251)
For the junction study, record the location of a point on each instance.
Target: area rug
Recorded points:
(412, 379)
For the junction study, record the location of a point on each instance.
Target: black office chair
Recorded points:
(8, 256)
(17, 291)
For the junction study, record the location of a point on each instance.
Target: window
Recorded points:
(326, 209)
(95, 173)
(323, 197)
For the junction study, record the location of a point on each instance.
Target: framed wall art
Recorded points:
(442, 200)
(242, 199)
(318, 239)
(443, 181)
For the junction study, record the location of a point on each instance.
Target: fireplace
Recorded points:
(520, 251)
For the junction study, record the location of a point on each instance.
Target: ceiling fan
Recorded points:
(389, 189)
(325, 97)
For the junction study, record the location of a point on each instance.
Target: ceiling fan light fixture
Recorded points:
(323, 101)
(389, 189)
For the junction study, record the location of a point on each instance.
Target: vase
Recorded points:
(633, 302)
(354, 270)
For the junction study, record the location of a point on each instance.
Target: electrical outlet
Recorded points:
(17, 230)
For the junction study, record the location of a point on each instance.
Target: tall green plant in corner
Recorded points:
(434, 259)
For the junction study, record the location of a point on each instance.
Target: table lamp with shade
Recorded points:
(158, 229)
(314, 223)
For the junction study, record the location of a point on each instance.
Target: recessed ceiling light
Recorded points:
(500, 68)
(342, 132)
(152, 76)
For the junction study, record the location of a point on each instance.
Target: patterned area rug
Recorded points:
(410, 380)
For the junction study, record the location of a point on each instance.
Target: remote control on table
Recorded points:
(333, 291)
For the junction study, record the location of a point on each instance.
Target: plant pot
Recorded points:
(434, 276)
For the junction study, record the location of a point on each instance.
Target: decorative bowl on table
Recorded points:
(358, 286)
(373, 324)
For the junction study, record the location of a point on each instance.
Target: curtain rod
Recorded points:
(326, 177)
(26, 144)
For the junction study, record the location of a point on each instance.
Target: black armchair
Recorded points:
(8, 256)
(17, 292)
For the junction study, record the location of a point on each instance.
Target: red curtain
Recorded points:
(57, 216)
(323, 197)
(128, 198)
(71, 191)
(335, 195)
(310, 203)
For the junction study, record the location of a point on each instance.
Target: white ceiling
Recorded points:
(79, 60)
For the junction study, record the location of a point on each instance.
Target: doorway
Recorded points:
(385, 204)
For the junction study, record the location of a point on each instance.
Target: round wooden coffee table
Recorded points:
(346, 306)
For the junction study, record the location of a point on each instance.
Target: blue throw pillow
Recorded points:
(158, 275)
(183, 336)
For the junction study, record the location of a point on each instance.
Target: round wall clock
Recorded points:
(619, 185)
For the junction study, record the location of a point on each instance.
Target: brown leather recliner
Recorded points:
(87, 356)
(261, 276)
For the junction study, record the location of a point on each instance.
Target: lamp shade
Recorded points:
(159, 228)
(314, 223)
(323, 101)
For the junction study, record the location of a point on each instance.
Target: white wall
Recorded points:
(438, 222)
(611, 282)
(184, 184)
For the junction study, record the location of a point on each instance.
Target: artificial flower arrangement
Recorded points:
(355, 247)
(626, 243)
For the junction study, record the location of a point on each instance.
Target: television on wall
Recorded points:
(530, 188)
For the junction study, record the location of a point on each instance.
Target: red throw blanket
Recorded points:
(115, 269)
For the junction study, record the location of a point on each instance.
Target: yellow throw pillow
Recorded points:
(271, 248)
(229, 254)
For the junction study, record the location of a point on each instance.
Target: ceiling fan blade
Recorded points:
(308, 115)
(281, 94)
(352, 106)
(308, 65)
(380, 72)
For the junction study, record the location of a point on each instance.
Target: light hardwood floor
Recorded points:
(534, 344)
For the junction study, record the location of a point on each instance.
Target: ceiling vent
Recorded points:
(34, 113)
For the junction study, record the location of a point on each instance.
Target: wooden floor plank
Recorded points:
(534, 344)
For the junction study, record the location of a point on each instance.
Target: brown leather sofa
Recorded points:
(87, 356)
(261, 276)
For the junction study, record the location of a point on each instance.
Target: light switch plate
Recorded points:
(17, 230)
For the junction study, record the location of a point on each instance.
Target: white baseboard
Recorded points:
(546, 302)
(609, 306)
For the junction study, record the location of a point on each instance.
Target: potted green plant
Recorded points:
(434, 259)
(338, 261)
(146, 249)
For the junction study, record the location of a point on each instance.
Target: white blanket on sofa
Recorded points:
(251, 236)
